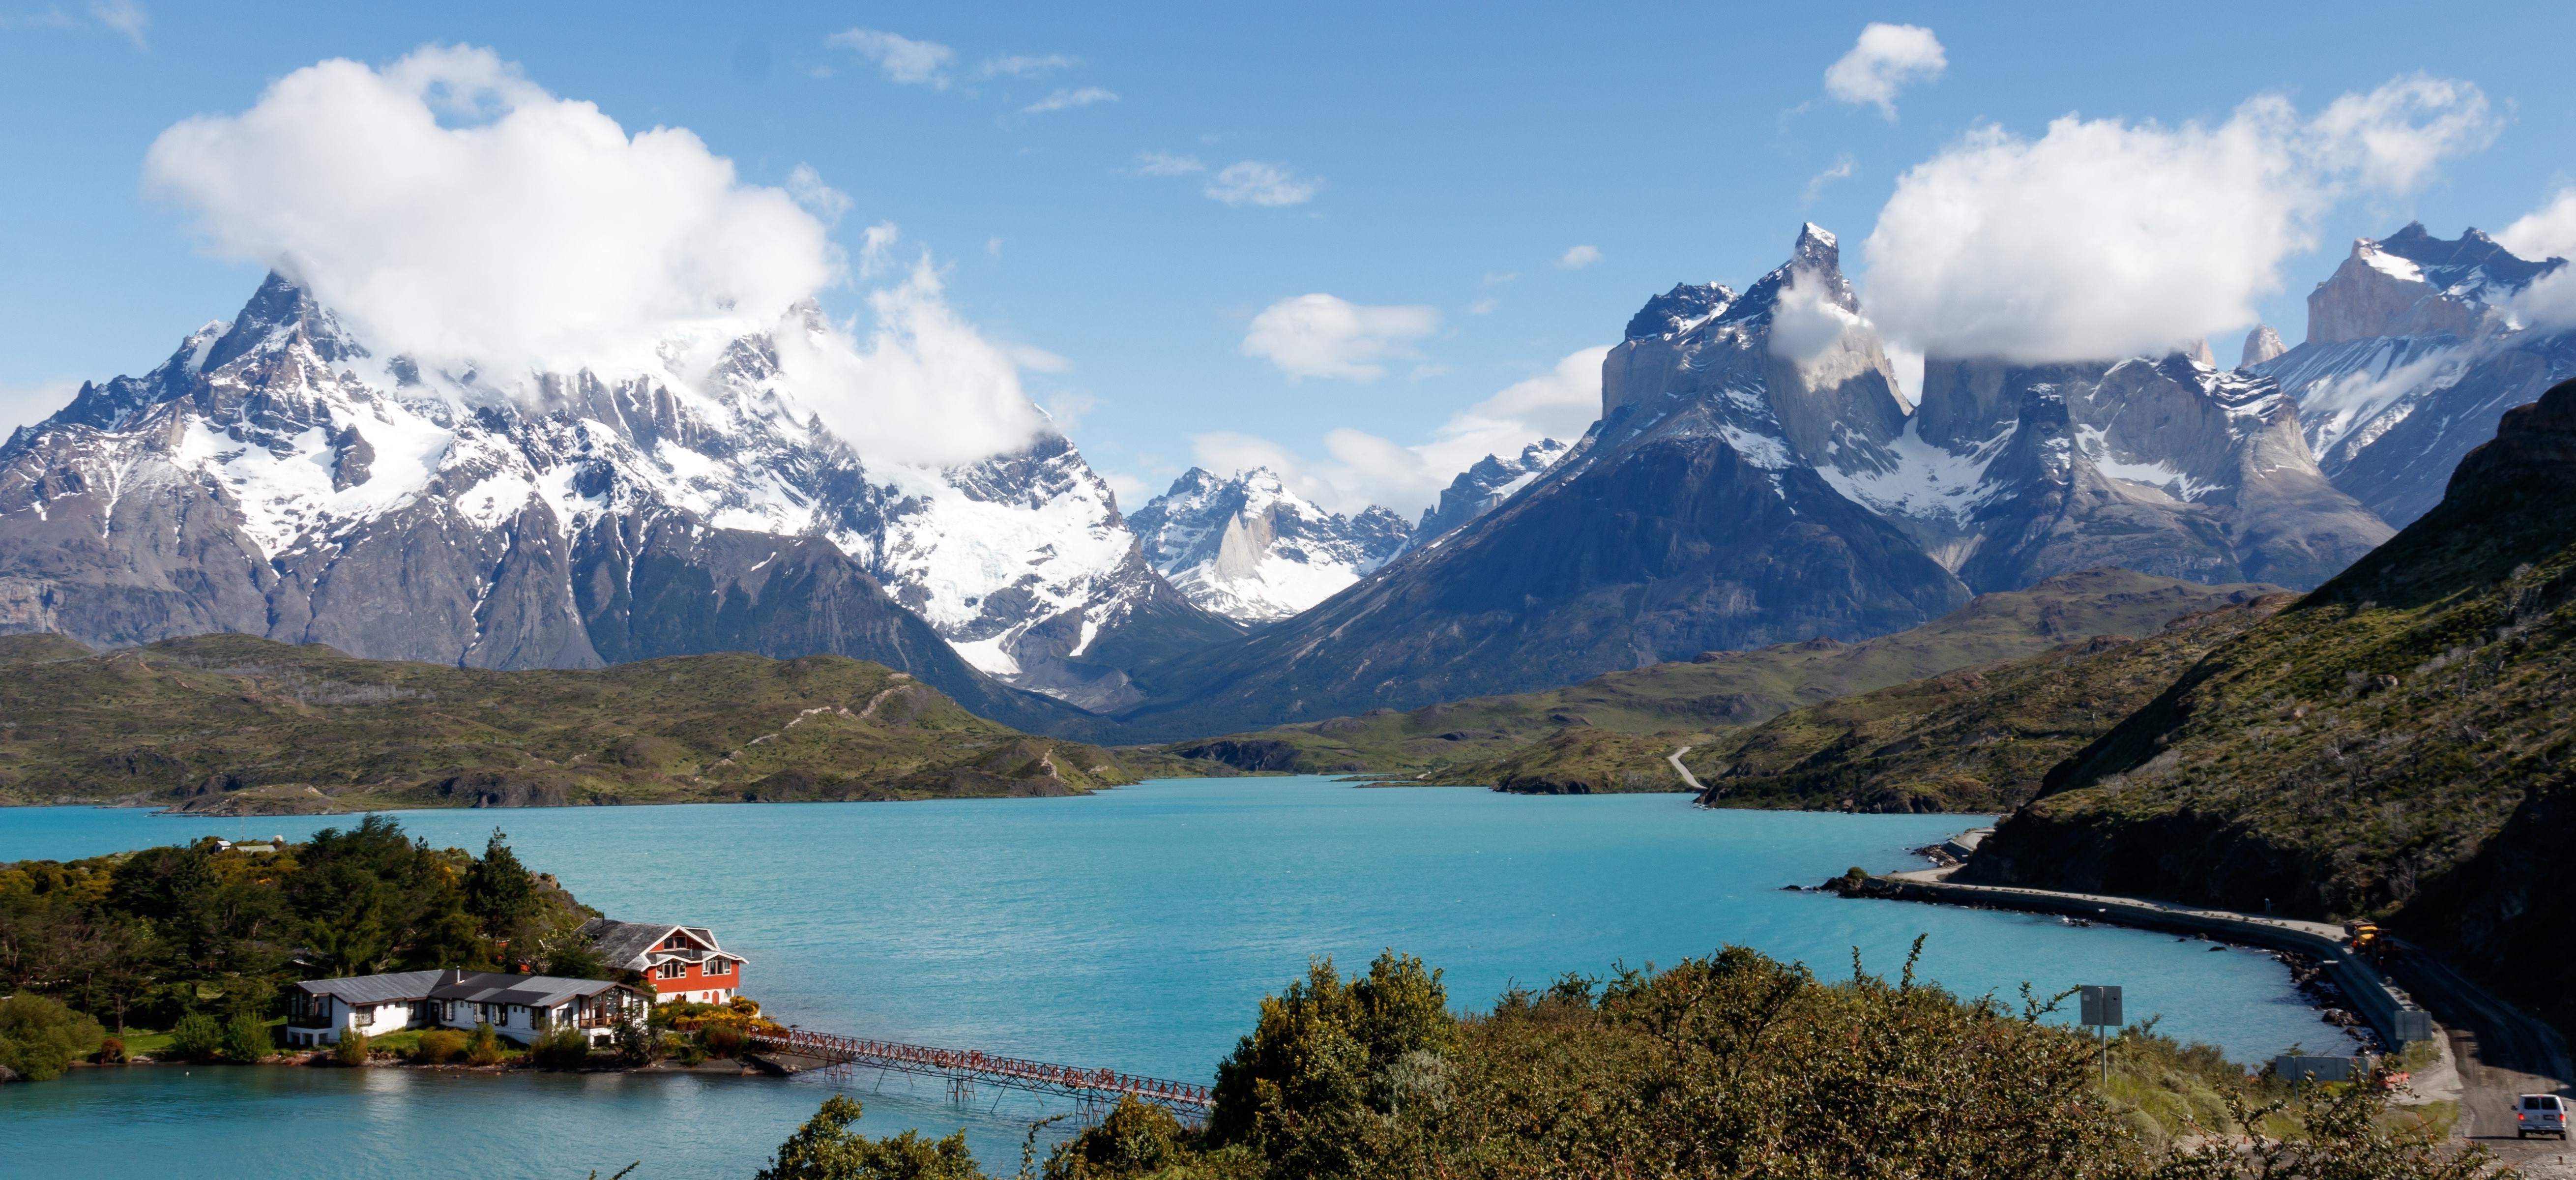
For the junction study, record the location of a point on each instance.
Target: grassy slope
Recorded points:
(236, 722)
(1975, 739)
(1475, 741)
(2396, 743)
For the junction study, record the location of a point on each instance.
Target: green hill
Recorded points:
(1487, 739)
(1976, 739)
(232, 724)
(2396, 744)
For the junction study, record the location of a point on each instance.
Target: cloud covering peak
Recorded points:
(2105, 239)
(451, 211)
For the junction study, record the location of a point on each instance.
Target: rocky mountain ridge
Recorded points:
(1757, 477)
(2414, 351)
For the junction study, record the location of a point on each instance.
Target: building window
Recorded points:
(716, 966)
(672, 970)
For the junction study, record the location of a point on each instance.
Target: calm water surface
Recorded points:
(1136, 929)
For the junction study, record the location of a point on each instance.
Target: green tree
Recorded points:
(826, 1148)
(39, 1036)
(351, 1048)
(197, 1037)
(1328, 1054)
(499, 891)
(1137, 1139)
(246, 1038)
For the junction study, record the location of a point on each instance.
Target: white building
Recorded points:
(520, 1007)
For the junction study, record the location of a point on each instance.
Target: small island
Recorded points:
(359, 946)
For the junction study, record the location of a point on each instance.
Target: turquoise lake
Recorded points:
(1136, 928)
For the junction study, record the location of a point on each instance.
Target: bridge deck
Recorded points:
(978, 1066)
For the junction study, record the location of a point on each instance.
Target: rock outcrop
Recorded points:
(1247, 548)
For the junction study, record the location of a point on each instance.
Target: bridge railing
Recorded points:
(1013, 1071)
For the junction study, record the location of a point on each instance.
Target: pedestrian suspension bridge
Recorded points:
(1094, 1090)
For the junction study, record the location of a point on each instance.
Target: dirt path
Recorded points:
(1676, 759)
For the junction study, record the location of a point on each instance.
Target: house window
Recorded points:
(672, 970)
(675, 943)
(717, 966)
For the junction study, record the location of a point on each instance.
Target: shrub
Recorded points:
(111, 1051)
(245, 1039)
(637, 1042)
(690, 1050)
(722, 1040)
(562, 1048)
(438, 1046)
(825, 1148)
(352, 1049)
(39, 1036)
(198, 1037)
(484, 1047)
(1137, 1139)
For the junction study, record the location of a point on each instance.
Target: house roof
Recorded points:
(478, 987)
(627, 944)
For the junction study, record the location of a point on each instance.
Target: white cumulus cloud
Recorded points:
(1580, 257)
(2104, 239)
(451, 211)
(1364, 469)
(904, 60)
(1885, 59)
(1320, 335)
(1251, 182)
(1065, 99)
(2546, 232)
(925, 388)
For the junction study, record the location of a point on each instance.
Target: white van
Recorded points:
(2541, 1114)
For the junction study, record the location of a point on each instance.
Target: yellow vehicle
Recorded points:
(2362, 936)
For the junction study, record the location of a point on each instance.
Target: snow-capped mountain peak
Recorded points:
(276, 476)
(1246, 547)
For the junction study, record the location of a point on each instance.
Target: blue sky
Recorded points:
(1455, 155)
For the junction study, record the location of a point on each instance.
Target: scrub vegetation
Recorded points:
(1735, 1065)
(238, 725)
(1532, 741)
(205, 941)
(1980, 739)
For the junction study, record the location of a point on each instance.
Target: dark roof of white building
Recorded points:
(478, 987)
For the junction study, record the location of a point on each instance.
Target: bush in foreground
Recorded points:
(1735, 1065)
(245, 1039)
(438, 1046)
(825, 1148)
(484, 1047)
(197, 1037)
(561, 1048)
(39, 1037)
(351, 1048)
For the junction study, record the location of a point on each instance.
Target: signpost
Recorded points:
(2099, 1007)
